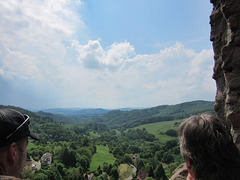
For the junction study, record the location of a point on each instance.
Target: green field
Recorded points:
(102, 155)
(157, 128)
(125, 171)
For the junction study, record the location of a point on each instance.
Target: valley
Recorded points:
(109, 144)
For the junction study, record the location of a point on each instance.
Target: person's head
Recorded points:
(14, 132)
(207, 146)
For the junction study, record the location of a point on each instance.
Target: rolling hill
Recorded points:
(122, 118)
(128, 119)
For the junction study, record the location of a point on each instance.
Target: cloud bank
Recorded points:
(46, 61)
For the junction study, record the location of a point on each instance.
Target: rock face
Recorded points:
(225, 35)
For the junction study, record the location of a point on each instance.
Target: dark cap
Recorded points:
(13, 127)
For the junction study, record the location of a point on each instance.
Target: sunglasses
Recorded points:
(24, 122)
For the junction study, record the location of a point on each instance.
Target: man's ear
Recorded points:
(12, 154)
(191, 175)
(188, 164)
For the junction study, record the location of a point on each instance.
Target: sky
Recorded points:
(105, 53)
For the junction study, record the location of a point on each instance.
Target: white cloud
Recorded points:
(149, 79)
(200, 60)
(33, 35)
(93, 55)
(21, 65)
(42, 45)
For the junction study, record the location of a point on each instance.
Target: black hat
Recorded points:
(13, 127)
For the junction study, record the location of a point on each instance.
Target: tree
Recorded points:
(117, 151)
(99, 170)
(134, 149)
(61, 168)
(171, 144)
(27, 174)
(172, 167)
(150, 172)
(109, 169)
(167, 157)
(114, 173)
(85, 151)
(53, 173)
(158, 156)
(102, 177)
(68, 157)
(86, 141)
(127, 158)
(84, 162)
(75, 174)
(171, 132)
(40, 176)
(159, 173)
(105, 167)
(140, 164)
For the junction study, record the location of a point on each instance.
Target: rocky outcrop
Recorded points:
(46, 159)
(225, 35)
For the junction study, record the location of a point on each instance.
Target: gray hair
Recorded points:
(208, 144)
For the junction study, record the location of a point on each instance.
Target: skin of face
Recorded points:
(13, 158)
(22, 156)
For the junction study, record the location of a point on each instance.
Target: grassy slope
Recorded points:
(102, 155)
(156, 128)
(125, 171)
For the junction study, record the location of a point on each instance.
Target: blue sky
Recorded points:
(105, 53)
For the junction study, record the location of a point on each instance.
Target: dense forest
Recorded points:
(74, 139)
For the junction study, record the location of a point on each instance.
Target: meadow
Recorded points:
(158, 129)
(102, 155)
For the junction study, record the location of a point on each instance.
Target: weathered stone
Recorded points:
(225, 35)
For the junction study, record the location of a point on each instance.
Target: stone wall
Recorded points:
(225, 35)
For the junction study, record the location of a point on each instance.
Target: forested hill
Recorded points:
(128, 119)
(122, 119)
(23, 111)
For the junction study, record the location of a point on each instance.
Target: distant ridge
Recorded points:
(122, 118)
(162, 109)
(76, 111)
(81, 111)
